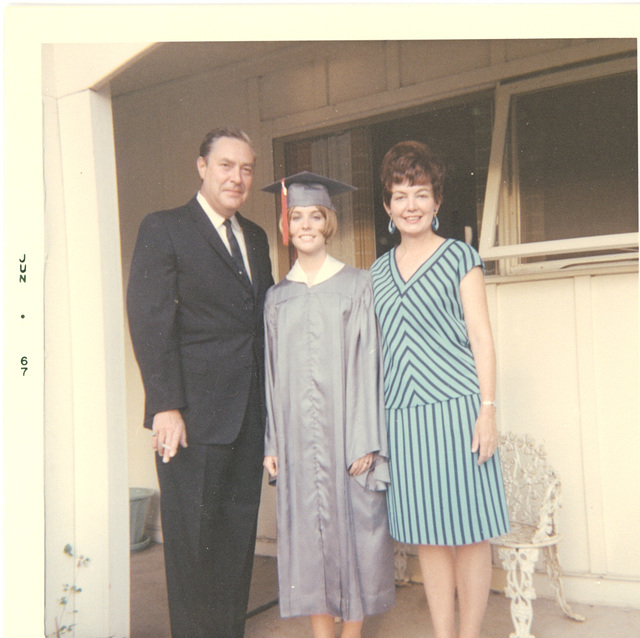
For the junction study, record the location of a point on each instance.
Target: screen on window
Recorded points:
(574, 160)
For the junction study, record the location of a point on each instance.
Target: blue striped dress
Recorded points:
(438, 495)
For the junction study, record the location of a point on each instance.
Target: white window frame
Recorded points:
(513, 252)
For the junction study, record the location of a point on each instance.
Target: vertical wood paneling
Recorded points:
(587, 396)
(538, 381)
(616, 359)
(568, 375)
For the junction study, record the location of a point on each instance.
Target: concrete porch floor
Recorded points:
(409, 618)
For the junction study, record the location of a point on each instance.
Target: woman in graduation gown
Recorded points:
(326, 443)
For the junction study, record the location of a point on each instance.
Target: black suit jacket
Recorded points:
(196, 324)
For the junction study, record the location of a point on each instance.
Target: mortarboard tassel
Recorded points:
(285, 217)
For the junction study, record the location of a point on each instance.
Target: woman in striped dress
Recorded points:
(446, 494)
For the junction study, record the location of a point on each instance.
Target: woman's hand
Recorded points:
(476, 313)
(485, 434)
(271, 463)
(361, 465)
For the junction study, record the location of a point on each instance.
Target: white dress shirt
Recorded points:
(218, 223)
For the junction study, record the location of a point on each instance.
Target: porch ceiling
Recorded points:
(170, 61)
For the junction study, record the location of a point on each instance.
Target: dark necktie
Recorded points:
(235, 250)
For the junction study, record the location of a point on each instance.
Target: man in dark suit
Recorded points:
(195, 301)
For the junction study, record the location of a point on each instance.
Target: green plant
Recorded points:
(68, 594)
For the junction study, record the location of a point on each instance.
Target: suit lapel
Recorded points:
(250, 243)
(207, 229)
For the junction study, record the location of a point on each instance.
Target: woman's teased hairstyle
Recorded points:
(414, 163)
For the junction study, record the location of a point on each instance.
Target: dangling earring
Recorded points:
(392, 226)
(435, 222)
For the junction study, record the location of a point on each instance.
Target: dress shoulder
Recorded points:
(466, 257)
(381, 262)
(464, 248)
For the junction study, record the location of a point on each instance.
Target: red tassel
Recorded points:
(285, 217)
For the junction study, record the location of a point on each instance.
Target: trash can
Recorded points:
(139, 499)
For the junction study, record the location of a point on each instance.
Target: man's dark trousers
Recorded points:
(219, 486)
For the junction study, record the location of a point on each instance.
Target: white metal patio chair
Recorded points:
(533, 497)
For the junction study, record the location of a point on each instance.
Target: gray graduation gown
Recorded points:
(325, 410)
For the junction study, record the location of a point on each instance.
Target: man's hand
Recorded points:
(169, 431)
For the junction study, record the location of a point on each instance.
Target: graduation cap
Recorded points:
(305, 189)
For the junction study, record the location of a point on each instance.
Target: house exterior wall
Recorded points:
(567, 345)
(567, 351)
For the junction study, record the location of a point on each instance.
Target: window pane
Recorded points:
(575, 160)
